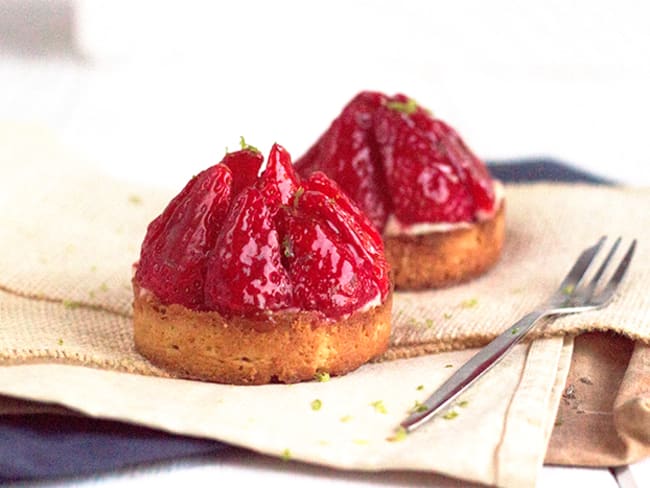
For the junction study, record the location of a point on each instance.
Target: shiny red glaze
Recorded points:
(347, 153)
(270, 243)
(174, 252)
(324, 200)
(244, 165)
(420, 169)
(279, 181)
(324, 268)
(245, 275)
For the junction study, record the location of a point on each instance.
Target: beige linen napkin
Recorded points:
(68, 238)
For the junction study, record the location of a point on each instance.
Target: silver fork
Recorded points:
(572, 296)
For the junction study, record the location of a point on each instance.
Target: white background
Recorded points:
(154, 92)
(157, 90)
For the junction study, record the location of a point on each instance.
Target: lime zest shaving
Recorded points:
(245, 146)
(322, 376)
(400, 434)
(409, 107)
(469, 303)
(379, 406)
(297, 195)
(450, 415)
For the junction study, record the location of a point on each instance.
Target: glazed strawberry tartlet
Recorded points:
(249, 279)
(440, 213)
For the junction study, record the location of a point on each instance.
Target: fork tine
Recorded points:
(599, 274)
(580, 267)
(618, 276)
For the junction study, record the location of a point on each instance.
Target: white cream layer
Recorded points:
(394, 227)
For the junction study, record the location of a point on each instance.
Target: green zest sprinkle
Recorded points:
(418, 407)
(409, 107)
(345, 418)
(297, 195)
(103, 287)
(316, 404)
(287, 247)
(379, 406)
(71, 304)
(515, 331)
(446, 315)
(286, 455)
(135, 200)
(428, 323)
(463, 403)
(470, 303)
(322, 376)
(400, 435)
(60, 341)
(452, 414)
(420, 388)
(449, 365)
(246, 147)
(568, 290)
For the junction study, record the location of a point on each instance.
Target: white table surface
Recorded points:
(154, 91)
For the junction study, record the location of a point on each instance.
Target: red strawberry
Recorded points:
(173, 255)
(431, 174)
(346, 152)
(279, 181)
(325, 201)
(283, 244)
(245, 165)
(324, 267)
(245, 273)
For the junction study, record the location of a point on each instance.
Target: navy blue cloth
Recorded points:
(41, 446)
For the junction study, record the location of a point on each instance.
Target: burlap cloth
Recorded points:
(68, 238)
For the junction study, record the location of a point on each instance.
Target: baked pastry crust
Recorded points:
(284, 347)
(440, 259)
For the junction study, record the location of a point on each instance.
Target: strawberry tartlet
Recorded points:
(249, 279)
(440, 213)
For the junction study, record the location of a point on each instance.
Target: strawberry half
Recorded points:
(174, 251)
(284, 244)
(245, 274)
(324, 267)
(326, 202)
(244, 165)
(390, 155)
(347, 153)
(279, 181)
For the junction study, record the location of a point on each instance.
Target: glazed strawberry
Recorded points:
(347, 153)
(245, 274)
(472, 169)
(173, 256)
(244, 165)
(324, 268)
(390, 155)
(279, 181)
(425, 184)
(246, 245)
(325, 201)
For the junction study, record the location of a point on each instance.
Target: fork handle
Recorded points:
(473, 369)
